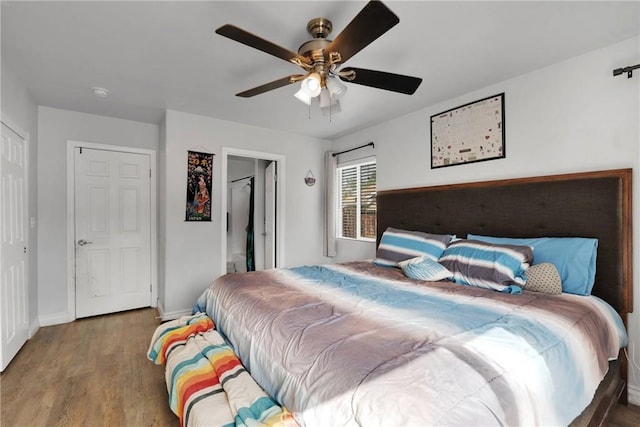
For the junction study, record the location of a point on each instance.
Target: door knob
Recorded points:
(83, 242)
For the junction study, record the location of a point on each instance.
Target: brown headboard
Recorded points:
(591, 204)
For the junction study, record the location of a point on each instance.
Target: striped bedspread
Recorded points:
(358, 344)
(207, 384)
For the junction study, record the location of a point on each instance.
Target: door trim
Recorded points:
(280, 199)
(71, 280)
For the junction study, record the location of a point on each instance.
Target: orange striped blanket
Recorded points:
(207, 384)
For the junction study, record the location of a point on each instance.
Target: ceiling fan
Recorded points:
(321, 58)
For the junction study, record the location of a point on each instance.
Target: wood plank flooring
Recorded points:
(94, 372)
(91, 372)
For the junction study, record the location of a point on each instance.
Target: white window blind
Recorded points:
(357, 207)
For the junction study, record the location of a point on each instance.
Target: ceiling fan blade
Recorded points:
(246, 38)
(270, 86)
(382, 80)
(372, 22)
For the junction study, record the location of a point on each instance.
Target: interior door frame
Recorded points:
(71, 219)
(280, 199)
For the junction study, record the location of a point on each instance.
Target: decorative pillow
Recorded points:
(574, 257)
(399, 245)
(497, 267)
(543, 278)
(424, 268)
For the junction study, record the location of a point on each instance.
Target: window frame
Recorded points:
(359, 163)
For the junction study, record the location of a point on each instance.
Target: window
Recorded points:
(357, 200)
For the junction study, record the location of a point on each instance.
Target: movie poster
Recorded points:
(199, 173)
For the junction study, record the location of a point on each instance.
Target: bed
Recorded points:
(363, 344)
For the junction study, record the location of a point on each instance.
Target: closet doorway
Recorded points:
(253, 200)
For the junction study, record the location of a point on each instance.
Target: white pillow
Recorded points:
(424, 268)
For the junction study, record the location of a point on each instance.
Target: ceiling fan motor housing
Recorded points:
(319, 28)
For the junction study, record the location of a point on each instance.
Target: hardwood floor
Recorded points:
(94, 372)
(91, 372)
(625, 416)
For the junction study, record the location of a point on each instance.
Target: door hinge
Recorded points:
(150, 287)
(149, 173)
(80, 150)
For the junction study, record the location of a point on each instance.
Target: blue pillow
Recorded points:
(399, 245)
(486, 265)
(424, 268)
(574, 257)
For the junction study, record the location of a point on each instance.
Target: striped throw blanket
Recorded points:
(207, 384)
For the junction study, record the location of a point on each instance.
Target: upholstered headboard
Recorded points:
(592, 204)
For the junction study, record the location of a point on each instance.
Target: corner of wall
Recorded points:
(55, 319)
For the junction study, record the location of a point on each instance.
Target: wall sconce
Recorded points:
(310, 180)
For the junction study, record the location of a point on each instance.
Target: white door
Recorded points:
(112, 231)
(270, 178)
(13, 251)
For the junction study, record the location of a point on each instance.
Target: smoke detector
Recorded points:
(100, 92)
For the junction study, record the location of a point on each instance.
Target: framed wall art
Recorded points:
(199, 173)
(473, 132)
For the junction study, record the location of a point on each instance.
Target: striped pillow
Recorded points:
(399, 245)
(487, 265)
(423, 268)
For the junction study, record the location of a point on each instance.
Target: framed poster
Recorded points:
(199, 172)
(470, 133)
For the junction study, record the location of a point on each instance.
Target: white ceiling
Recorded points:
(153, 56)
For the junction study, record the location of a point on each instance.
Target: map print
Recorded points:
(470, 133)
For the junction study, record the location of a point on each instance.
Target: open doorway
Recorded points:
(253, 202)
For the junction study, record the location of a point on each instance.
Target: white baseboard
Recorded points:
(160, 308)
(170, 315)
(633, 394)
(55, 319)
(33, 327)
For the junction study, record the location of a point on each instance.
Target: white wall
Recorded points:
(570, 117)
(19, 110)
(193, 250)
(55, 127)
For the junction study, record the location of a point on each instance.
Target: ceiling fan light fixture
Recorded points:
(302, 96)
(331, 109)
(312, 85)
(336, 88)
(325, 98)
(320, 57)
